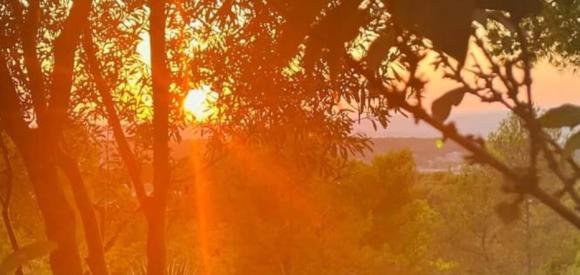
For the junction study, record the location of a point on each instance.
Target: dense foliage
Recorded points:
(92, 128)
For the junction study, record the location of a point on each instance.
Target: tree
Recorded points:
(402, 28)
(485, 223)
(48, 102)
(277, 65)
(281, 221)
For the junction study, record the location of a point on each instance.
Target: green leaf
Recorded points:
(567, 115)
(26, 254)
(508, 212)
(441, 107)
(572, 144)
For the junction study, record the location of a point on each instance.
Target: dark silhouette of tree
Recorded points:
(44, 104)
(155, 210)
(279, 67)
(447, 25)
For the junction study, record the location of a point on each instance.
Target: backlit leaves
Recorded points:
(327, 26)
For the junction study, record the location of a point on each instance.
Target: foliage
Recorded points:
(486, 223)
(274, 105)
(292, 77)
(555, 33)
(173, 268)
(25, 254)
(445, 28)
(564, 116)
(267, 222)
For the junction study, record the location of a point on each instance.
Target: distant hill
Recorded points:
(427, 155)
(480, 124)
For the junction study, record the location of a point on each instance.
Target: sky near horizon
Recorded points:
(552, 87)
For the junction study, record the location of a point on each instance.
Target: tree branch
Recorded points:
(62, 76)
(524, 183)
(113, 120)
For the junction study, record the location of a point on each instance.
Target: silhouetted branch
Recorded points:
(96, 256)
(33, 67)
(523, 183)
(65, 46)
(113, 120)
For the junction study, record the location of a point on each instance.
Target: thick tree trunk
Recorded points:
(42, 170)
(156, 248)
(155, 210)
(96, 257)
(39, 148)
(59, 216)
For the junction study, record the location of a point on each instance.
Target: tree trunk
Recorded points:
(59, 216)
(40, 162)
(96, 257)
(156, 248)
(155, 210)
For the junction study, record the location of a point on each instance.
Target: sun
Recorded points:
(199, 103)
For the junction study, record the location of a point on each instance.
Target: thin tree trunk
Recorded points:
(156, 250)
(96, 256)
(127, 156)
(153, 208)
(529, 262)
(154, 205)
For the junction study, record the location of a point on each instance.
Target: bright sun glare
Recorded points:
(199, 103)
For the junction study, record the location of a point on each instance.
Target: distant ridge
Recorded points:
(477, 123)
(428, 156)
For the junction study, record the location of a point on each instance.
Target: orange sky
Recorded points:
(552, 87)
